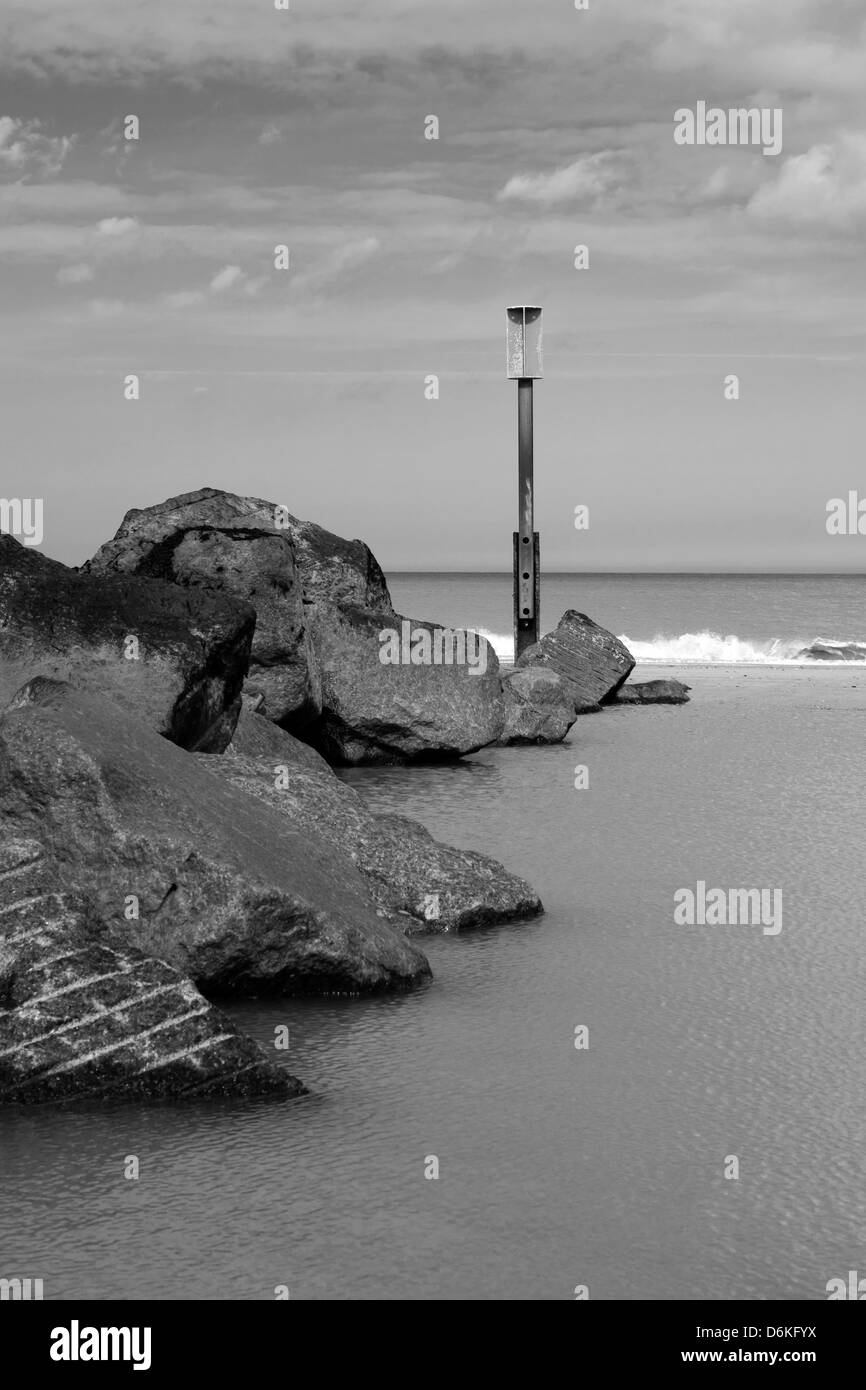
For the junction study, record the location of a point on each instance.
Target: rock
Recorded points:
(538, 708)
(255, 551)
(330, 567)
(79, 1017)
(592, 662)
(225, 889)
(193, 646)
(438, 887)
(375, 712)
(218, 541)
(653, 693)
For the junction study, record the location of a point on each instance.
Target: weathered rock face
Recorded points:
(592, 662)
(437, 887)
(329, 567)
(257, 552)
(538, 707)
(378, 712)
(653, 693)
(193, 646)
(80, 1018)
(226, 890)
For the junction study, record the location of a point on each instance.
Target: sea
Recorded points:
(602, 1101)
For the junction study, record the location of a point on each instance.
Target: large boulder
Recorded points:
(538, 706)
(202, 876)
(661, 692)
(436, 887)
(398, 710)
(175, 658)
(592, 663)
(329, 567)
(256, 551)
(80, 1018)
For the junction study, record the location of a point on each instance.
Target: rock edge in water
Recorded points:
(82, 1019)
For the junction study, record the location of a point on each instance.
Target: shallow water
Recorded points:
(558, 1167)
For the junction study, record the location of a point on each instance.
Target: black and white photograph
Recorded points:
(432, 665)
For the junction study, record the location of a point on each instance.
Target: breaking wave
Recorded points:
(712, 649)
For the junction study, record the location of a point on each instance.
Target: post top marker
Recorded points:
(523, 341)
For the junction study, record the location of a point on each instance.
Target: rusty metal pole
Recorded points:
(523, 346)
(526, 573)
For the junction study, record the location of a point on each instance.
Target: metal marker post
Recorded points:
(524, 364)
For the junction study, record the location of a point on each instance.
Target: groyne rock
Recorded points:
(661, 692)
(591, 662)
(328, 566)
(538, 706)
(81, 1018)
(442, 705)
(174, 658)
(209, 879)
(436, 887)
(256, 551)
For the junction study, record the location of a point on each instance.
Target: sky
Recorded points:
(305, 127)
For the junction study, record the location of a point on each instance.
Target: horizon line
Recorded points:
(744, 574)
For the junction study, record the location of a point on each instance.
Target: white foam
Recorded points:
(710, 649)
(501, 642)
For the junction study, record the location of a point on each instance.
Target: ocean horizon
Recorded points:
(664, 618)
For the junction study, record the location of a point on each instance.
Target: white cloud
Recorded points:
(346, 257)
(184, 299)
(25, 150)
(118, 226)
(824, 187)
(733, 182)
(75, 274)
(225, 278)
(271, 135)
(586, 178)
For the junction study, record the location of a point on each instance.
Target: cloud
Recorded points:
(184, 299)
(24, 150)
(271, 135)
(230, 277)
(225, 278)
(101, 38)
(118, 226)
(825, 187)
(587, 178)
(347, 257)
(733, 182)
(75, 274)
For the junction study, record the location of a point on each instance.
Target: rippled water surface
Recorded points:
(557, 1167)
